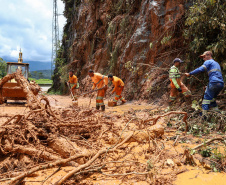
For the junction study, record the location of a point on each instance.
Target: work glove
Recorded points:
(179, 89)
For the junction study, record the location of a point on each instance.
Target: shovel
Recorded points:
(91, 91)
(74, 102)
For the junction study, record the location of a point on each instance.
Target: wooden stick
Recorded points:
(208, 142)
(16, 116)
(31, 151)
(176, 140)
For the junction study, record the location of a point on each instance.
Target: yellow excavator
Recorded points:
(11, 89)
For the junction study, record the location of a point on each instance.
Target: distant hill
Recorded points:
(41, 74)
(34, 65)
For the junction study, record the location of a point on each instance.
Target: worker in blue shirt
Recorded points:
(216, 82)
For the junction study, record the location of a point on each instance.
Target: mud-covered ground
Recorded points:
(118, 146)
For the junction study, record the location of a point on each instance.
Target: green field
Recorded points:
(42, 81)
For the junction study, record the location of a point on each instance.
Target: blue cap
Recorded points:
(177, 60)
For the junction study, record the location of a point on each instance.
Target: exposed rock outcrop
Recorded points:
(116, 36)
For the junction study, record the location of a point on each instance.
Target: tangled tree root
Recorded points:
(87, 139)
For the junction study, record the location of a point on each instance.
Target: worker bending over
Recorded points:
(73, 82)
(100, 81)
(176, 83)
(118, 88)
(216, 82)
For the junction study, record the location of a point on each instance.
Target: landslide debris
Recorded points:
(129, 147)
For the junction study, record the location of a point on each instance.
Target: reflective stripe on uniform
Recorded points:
(213, 100)
(204, 67)
(100, 104)
(114, 100)
(212, 70)
(174, 76)
(206, 101)
(99, 98)
(174, 72)
(172, 98)
(117, 96)
(121, 98)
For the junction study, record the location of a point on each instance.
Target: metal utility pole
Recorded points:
(55, 35)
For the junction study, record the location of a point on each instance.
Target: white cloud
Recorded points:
(28, 24)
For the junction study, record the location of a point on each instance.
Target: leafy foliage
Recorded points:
(206, 29)
(2, 68)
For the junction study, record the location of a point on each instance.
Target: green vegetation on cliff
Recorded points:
(206, 30)
(2, 68)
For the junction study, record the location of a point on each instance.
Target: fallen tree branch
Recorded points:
(19, 117)
(208, 142)
(31, 151)
(124, 174)
(168, 113)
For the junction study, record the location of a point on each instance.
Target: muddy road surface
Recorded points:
(135, 143)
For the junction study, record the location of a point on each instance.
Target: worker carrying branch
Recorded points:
(118, 88)
(216, 82)
(100, 81)
(73, 82)
(176, 83)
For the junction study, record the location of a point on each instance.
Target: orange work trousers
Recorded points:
(100, 97)
(118, 92)
(174, 92)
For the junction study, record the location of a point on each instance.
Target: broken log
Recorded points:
(31, 151)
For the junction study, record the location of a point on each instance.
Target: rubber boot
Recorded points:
(103, 107)
(123, 101)
(97, 107)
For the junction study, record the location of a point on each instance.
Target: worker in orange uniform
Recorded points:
(73, 82)
(118, 88)
(176, 84)
(100, 82)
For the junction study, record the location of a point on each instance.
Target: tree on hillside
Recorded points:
(3, 67)
(206, 30)
(40, 75)
(35, 74)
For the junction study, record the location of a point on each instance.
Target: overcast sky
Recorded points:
(27, 24)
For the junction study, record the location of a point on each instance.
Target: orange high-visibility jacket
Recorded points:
(73, 80)
(117, 82)
(99, 80)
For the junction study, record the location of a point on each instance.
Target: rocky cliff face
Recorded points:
(135, 40)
